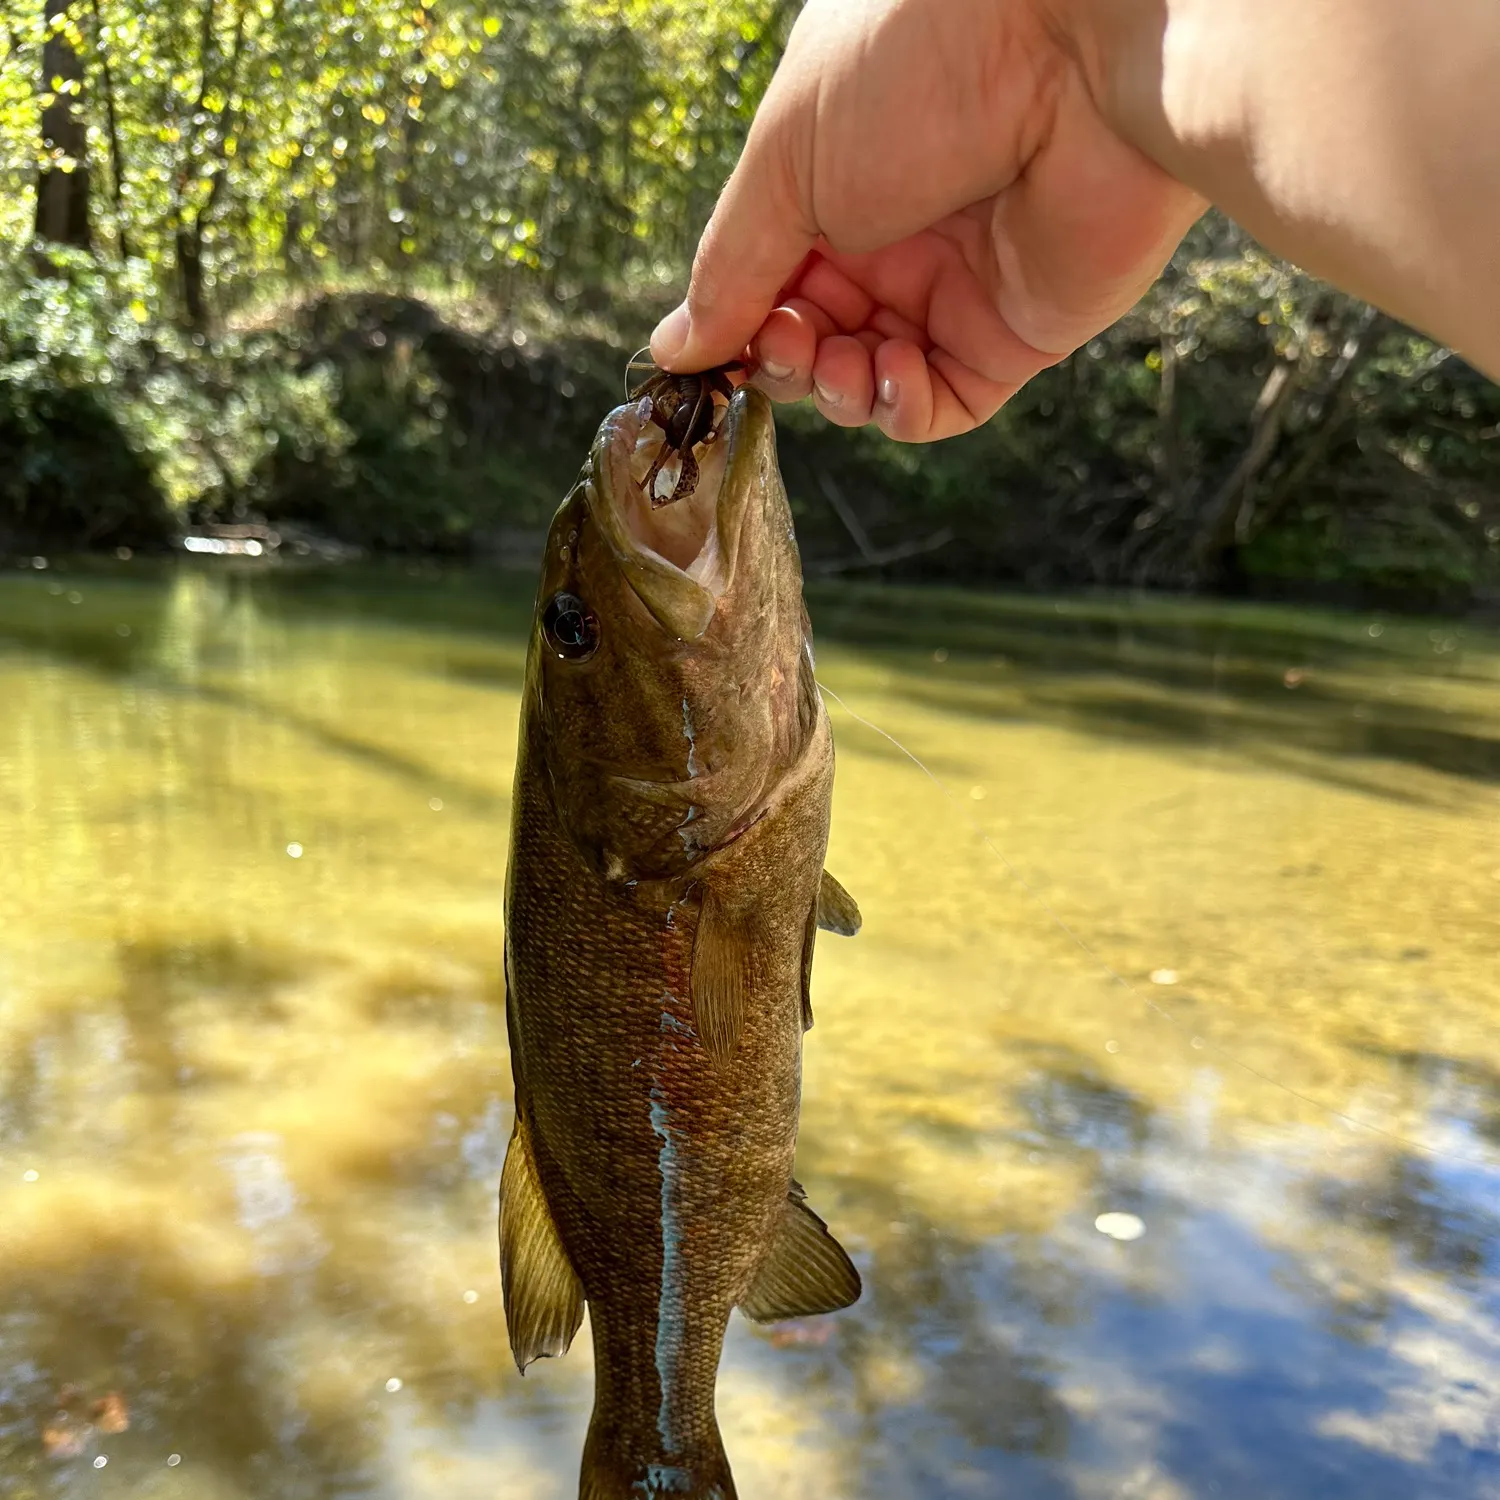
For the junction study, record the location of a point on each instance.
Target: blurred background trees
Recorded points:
(375, 267)
(458, 144)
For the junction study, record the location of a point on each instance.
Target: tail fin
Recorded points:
(610, 1474)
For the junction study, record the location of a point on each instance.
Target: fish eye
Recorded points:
(571, 628)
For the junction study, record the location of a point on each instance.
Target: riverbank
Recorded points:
(368, 423)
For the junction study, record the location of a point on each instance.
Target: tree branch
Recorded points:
(1221, 513)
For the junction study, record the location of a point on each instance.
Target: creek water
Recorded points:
(1196, 927)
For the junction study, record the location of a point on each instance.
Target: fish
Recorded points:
(665, 884)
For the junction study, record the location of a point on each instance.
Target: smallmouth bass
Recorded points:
(666, 881)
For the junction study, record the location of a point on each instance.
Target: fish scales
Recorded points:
(669, 826)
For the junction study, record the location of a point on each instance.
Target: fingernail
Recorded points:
(671, 335)
(772, 371)
(890, 391)
(827, 397)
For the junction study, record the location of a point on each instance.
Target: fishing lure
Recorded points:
(689, 409)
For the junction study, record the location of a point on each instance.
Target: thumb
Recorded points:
(757, 237)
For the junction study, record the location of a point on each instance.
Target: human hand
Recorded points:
(929, 210)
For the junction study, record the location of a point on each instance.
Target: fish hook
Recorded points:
(635, 362)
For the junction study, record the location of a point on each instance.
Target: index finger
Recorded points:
(759, 235)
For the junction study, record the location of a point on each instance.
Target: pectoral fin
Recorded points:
(836, 909)
(718, 978)
(806, 1272)
(543, 1296)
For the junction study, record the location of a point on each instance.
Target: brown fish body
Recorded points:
(670, 820)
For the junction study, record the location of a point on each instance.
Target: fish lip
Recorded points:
(683, 604)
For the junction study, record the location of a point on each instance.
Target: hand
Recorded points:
(929, 210)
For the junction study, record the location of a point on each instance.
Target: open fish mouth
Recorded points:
(679, 528)
(679, 554)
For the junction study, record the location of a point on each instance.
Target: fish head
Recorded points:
(671, 673)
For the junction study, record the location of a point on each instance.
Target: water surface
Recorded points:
(1205, 893)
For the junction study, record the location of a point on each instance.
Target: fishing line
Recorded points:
(1199, 1043)
(635, 362)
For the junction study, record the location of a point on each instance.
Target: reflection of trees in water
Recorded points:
(204, 623)
(949, 1391)
(1403, 1203)
(940, 1391)
(1072, 1107)
(1402, 1213)
(1458, 1088)
(247, 1298)
(1150, 671)
(954, 1370)
(274, 1386)
(964, 1355)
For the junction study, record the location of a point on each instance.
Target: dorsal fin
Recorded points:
(543, 1296)
(719, 979)
(836, 909)
(806, 1272)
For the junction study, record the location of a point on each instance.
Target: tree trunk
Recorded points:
(1217, 528)
(189, 235)
(116, 155)
(190, 273)
(186, 240)
(62, 184)
(1334, 406)
(411, 130)
(1169, 430)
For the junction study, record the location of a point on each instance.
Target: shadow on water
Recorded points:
(1464, 1088)
(78, 639)
(428, 595)
(1070, 1106)
(239, 1377)
(942, 1395)
(408, 768)
(1153, 671)
(493, 603)
(156, 981)
(1051, 632)
(1406, 1205)
(1162, 672)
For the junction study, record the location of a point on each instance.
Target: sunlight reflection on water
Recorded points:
(253, 1107)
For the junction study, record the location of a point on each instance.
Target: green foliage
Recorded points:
(75, 481)
(1405, 550)
(556, 136)
(1239, 398)
(539, 169)
(65, 341)
(453, 440)
(110, 406)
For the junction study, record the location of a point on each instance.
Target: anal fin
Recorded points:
(807, 1271)
(837, 911)
(543, 1296)
(718, 983)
